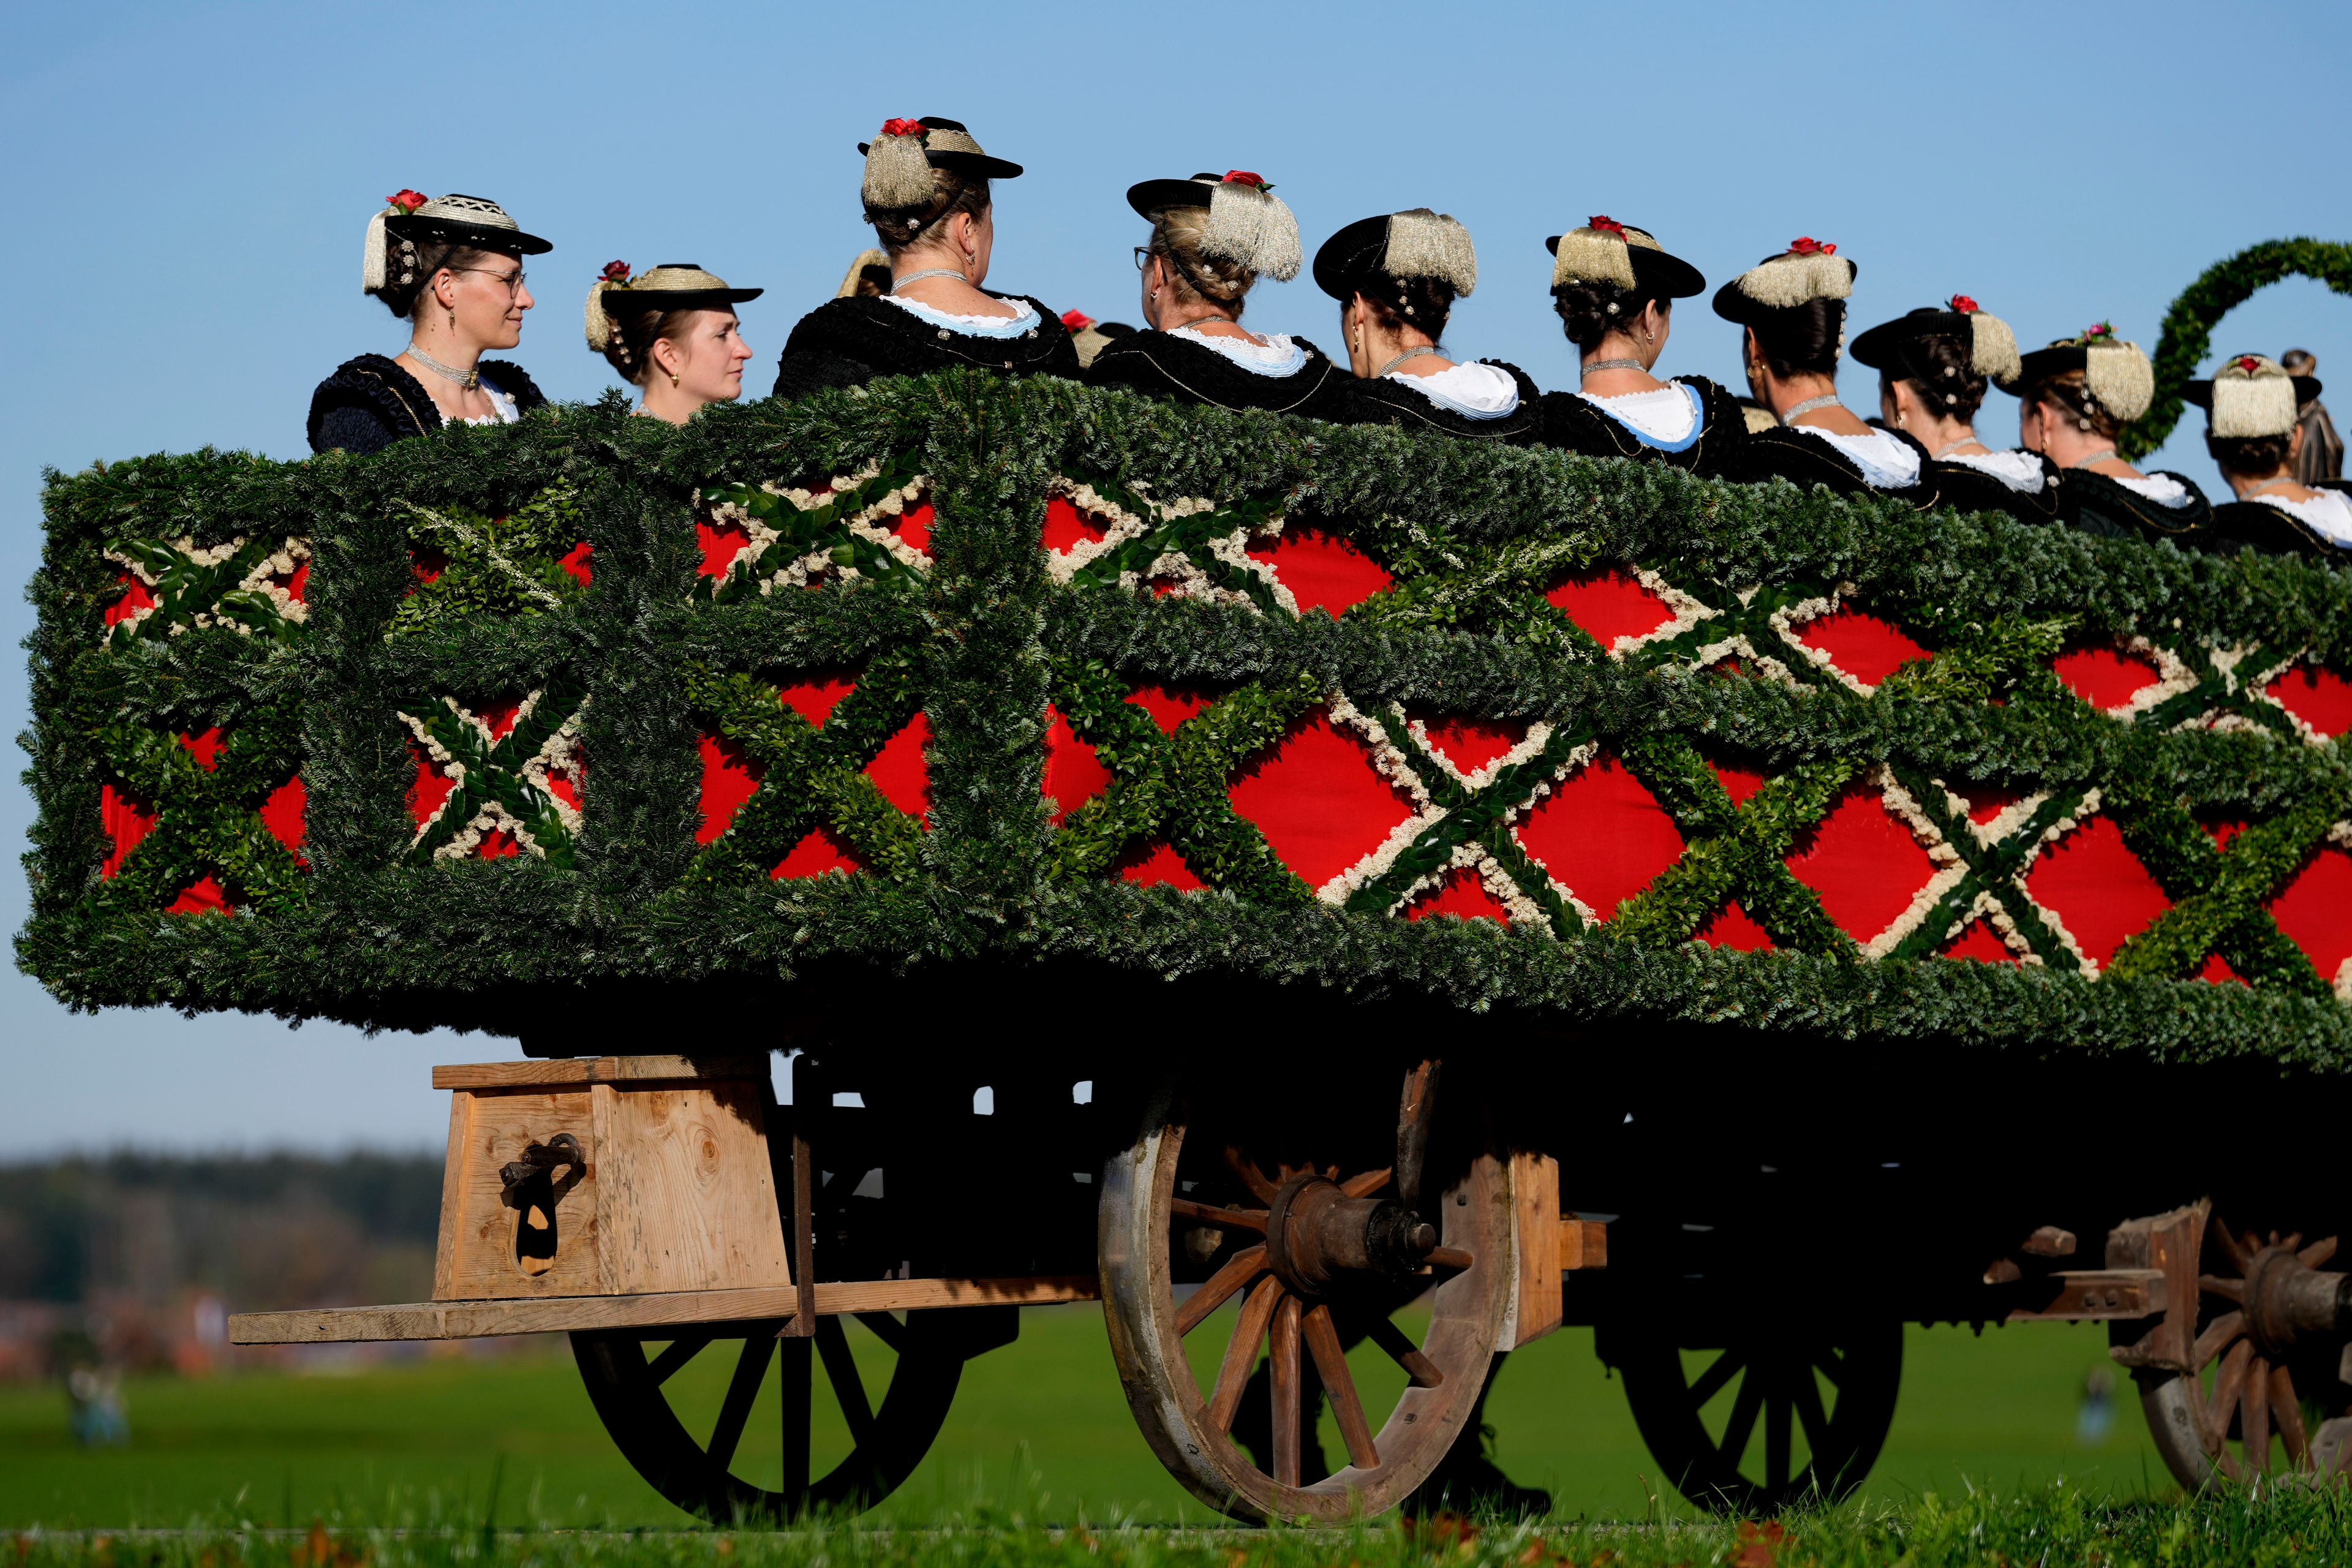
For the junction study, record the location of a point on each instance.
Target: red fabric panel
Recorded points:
(205, 896)
(818, 853)
(2218, 971)
(1319, 800)
(2097, 888)
(719, 545)
(1074, 774)
(1470, 743)
(298, 586)
(497, 844)
(1727, 667)
(729, 777)
(2315, 911)
(901, 773)
(1610, 604)
(2222, 829)
(426, 563)
(1731, 927)
(1601, 835)
(1322, 571)
(205, 748)
(1863, 862)
(1169, 707)
(1981, 943)
(570, 784)
(2104, 677)
(1986, 801)
(1739, 783)
(577, 560)
(136, 598)
(1464, 892)
(1066, 527)
(1161, 865)
(814, 699)
(431, 787)
(285, 813)
(2316, 695)
(1862, 645)
(913, 525)
(125, 823)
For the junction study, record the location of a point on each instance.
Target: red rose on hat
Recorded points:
(1964, 305)
(1605, 224)
(615, 272)
(406, 201)
(903, 128)
(2098, 330)
(1809, 246)
(2248, 363)
(1243, 177)
(1076, 320)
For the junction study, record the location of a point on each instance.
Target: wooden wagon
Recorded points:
(1351, 902)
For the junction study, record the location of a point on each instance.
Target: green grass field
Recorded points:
(1038, 1427)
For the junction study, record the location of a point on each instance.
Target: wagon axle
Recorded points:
(1317, 1232)
(2284, 1299)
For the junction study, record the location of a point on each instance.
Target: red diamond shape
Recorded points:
(899, 772)
(1463, 892)
(1160, 864)
(1602, 836)
(125, 821)
(730, 776)
(1863, 862)
(285, 814)
(429, 788)
(205, 896)
(2222, 828)
(1862, 645)
(913, 525)
(1611, 604)
(1321, 571)
(1740, 781)
(205, 748)
(1074, 773)
(1319, 800)
(578, 561)
(719, 544)
(2105, 677)
(816, 855)
(1066, 527)
(1731, 927)
(136, 596)
(2218, 972)
(1169, 707)
(2316, 695)
(1470, 743)
(1985, 802)
(2097, 888)
(1981, 943)
(2315, 911)
(814, 697)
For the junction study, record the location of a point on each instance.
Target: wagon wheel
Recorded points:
(2269, 1330)
(1765, 1415)
(1310, 1253)
(655, 1390)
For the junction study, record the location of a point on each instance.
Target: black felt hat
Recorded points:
(1151, 196)
(1606, 251)
(410, 220)
(1416, 242)
(1248, 224)
(2252, 396)
(672, 286)
(1889, 346)
(2116, 373)
(947, 145)
(1808, 271)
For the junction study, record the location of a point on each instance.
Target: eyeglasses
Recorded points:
(513, 280)
(1143, 256)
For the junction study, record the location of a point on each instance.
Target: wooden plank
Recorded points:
(1535, 1203)
(686, 1197)
(2095, 1295)
(581, 1072)
(478, 1251)
(452, 1192)
(483, 1320)
(1583, 1244)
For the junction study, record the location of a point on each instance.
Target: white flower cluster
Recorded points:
(262, 579)
(1122, 527)
(818, 563)
(559, 755)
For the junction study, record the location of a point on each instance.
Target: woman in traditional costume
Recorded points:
(1614, 287)
(1211, 241)
(1396, 278)
(926, 193)
(451, 267)
(2254, 429)
(2074, 397)
(1792, 307)
(673, 333)
(1934, 366)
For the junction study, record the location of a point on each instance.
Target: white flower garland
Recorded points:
(2049, 836)
(1121, 526)
(284, 563)
(1686, 613)
(2258, 690)
(560, 754)
(800, 572)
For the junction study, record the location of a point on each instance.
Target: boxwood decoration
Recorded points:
(958, 670)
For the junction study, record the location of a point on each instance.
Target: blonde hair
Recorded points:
(1176, 236)
(898, 227)
(2070, 390)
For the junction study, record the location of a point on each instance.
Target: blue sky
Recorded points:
(186, 190)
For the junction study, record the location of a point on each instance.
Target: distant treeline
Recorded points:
(259, 1231)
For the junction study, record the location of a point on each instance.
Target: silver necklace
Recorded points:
(899, 283)
(1409, 354)
(1948, 447)
(2095, 458)
(1600, 364)
(465, 378)
(1826, 400)
(2271, 485)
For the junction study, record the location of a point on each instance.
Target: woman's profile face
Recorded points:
(711, 369)
(490, 298)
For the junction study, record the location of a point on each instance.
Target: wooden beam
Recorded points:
(567, 1071)
(563, 1314)
(2096, 1295)
(1583, 1244)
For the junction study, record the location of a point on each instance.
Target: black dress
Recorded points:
(2097, 504)
(1786, 453)
(1964, 486)
(1712, 451)
(370, 403)
(1183, 370)
(2269, 530)
(1390, 400)
(848, 343)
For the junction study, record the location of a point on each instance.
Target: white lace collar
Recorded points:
(1015, 326)
(1887, 462)
(1279, 356)
(1472, 390)
(1665, 416)
(502, 405)
(2329, 513)
(2161, 488)
(2021, 471)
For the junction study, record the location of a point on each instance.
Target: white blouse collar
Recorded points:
(1013, 326)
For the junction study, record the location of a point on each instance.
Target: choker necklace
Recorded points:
(1409, 354)
(2094, 457)
(1600, 364)
(1826, 400)
(465, 378)
(2271, 485)
(1948, 447)
(1211, 316)
(928, 272)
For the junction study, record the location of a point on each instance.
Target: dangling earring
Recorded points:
(452, 310)
(673, 378)
(1902, 419)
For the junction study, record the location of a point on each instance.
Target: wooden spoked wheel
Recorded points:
(2266, 1397)
(680, 1403)
(1766, 1415)
(1310, 1254)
